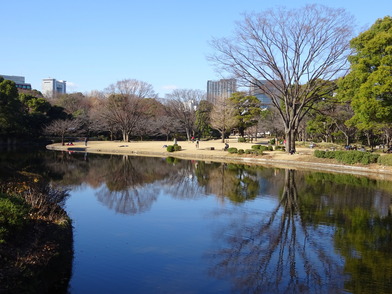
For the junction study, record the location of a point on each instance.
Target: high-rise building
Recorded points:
(19, 82)
(52, 87)
(262, 90)
(222, 88)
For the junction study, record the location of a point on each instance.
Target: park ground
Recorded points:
(212, 150)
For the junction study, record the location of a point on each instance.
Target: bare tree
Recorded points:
(182, 104)
(132, 87)
(223, 116)
(289, 55)
(125, 107)
(62, 128)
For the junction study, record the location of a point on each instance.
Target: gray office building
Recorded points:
(261, 89)
(222, 88)
(52, 87)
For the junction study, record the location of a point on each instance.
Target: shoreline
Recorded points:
(213, 151)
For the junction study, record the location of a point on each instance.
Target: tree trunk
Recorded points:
(290, 140)
(188, 134)
(125, 136)
(223, 136)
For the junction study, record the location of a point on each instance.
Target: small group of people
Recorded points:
(70, 143)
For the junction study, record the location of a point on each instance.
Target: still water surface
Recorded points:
(157, 225)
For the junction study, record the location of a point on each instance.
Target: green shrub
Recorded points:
(330, 154)
(263, 148)
(385, 160)
(319, 153)
(348, 157)
(256, 147)
(172, 148)
(232, 150)
(13, 215)
(241, 140)
(272, 142)
(249, 151)
(241, 151)
(369, 158)
(270, 148)
(282, 148)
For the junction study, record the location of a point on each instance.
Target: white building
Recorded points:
(53, 87)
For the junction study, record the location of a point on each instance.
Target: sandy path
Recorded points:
(302, 159)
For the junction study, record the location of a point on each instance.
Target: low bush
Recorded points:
(272, 142)
(319, 153)
(263, 148)
(241, 140)
(385, 160)
(241, 151)
(249, 151)
(270, 148)
(13, 215)
(232, 150)
(281, 148)
(348, 157)
(256, 147)
(369, 158)
(172, 148)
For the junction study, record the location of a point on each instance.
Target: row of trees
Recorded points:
(297, 54)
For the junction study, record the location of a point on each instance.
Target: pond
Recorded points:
(164, 225)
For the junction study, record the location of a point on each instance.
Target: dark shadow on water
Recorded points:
(76, 149)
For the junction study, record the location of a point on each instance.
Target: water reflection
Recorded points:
(293, 247)
(323, 233)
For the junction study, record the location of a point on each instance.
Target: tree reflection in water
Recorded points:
(279, 253)
(327, 233)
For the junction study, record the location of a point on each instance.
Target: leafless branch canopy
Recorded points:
(288, 55)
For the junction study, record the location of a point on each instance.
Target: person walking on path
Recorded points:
(197, 143)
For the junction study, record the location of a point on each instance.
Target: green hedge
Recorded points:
(262, 147)
(348, 157)
(241, 151)
(282, 148)
(241, 140)
(172, 148)
(232, 150)
(385, 160)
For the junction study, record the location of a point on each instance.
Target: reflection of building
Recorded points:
(52, 87)
(262, 89)
(222, 88)
(19, 82)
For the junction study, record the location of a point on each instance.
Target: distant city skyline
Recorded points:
(94, 44)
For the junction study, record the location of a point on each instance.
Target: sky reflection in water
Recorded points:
(153, 225)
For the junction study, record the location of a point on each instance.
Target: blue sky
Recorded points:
(92, 44)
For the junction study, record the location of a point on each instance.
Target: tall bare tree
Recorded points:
(125, 107)
(182, 105)
(223, 116)
(289, 55)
